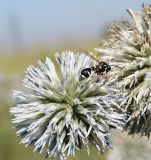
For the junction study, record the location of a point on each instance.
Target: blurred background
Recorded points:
(33, 29)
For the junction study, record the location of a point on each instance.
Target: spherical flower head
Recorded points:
(129, 48)
(59, 113)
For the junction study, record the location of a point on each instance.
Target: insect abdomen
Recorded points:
(85, 73)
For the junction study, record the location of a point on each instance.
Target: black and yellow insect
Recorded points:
(100, 68)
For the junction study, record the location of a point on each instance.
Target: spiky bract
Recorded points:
(61, 114)
(129, 48)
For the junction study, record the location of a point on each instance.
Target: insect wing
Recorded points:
(88, 54)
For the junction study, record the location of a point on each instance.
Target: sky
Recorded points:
(55, 21)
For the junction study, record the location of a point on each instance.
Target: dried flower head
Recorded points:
(60, 113)
(129, 48)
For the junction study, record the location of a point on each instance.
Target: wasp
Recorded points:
(100, 68)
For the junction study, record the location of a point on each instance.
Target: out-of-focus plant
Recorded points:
(59, 114)
(129, 49)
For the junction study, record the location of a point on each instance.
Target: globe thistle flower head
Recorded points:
(59, 113)
(129, 49)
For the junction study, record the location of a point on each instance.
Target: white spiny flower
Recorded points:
(61, 114)
(129, 48)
